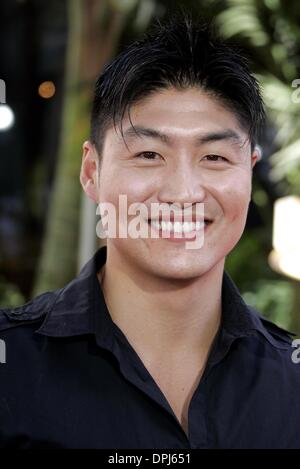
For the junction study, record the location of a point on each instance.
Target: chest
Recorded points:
(178, 387)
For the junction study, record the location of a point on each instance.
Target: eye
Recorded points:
(148, 155)
(215, 158)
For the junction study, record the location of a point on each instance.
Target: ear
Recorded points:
(256, 155)
(89, 171)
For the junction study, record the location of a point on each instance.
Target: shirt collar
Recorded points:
(80, 308)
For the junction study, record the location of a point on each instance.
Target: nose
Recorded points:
(183, 185)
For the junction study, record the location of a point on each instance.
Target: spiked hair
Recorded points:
(181, 53)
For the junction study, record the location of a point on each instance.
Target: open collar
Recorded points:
(80, 308)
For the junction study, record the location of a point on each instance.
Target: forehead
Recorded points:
(180, 114)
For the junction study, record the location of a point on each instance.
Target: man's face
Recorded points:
(205, 158)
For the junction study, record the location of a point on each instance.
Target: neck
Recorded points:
(163, 317)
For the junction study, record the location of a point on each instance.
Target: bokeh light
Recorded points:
(46, 89)
(7, 117)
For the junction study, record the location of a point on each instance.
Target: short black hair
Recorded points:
(182, 52)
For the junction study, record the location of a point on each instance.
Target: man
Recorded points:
(152, 346)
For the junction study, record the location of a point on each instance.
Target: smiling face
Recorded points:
(190, 149)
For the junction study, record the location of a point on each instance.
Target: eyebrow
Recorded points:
(132, 133)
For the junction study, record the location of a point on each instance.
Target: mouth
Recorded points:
(179, 228)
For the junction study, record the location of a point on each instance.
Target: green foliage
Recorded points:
(246, 263)
(259, 285)
(270, 30)
(274, 298)
(10, 296)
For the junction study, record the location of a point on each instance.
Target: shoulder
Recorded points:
(277, 336)
(33, 311)
(281, 349)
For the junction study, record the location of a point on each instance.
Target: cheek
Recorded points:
(235, 200)
(121, 181)
(238, 203)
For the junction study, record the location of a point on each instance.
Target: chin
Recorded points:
(178, 270)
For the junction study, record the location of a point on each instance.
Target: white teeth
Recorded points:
(177, 227)
(156, 224)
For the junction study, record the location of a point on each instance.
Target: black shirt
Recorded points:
(72, 379)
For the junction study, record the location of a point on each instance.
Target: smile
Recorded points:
(180, 231)
(177, 227)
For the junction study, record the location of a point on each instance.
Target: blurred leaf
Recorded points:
(10, 296)
(274, 299)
